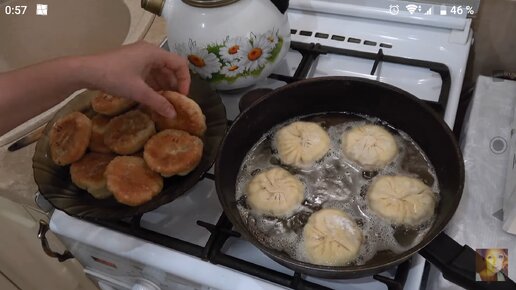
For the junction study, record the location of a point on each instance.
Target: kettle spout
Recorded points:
(154, 6)
(282, 5)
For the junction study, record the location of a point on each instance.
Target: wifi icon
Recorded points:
(411, 8)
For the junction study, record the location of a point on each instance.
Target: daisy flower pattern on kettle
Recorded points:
(200, 60)
(254, 53)
(231, 48)
(233, 58)
(272, 38)
(232, 69)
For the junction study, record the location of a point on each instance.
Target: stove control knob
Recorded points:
(143, 284)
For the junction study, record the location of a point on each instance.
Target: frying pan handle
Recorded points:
(43, 229)
(457, 263)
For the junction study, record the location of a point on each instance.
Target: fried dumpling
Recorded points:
(275, 192)
(172, 152)
(301, 144)
(331, 238)
(98, 128)
(69, 138)
(401, 200)
(370, 146)
(127, 133)
(131, 181)
(88, 174)
(189, 115)
(110, 105)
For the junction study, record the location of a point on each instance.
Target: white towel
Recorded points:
(485, 146)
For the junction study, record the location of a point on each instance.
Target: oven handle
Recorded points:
(43, 229)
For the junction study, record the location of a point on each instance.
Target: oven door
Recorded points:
(111, 271)
(122, 261)
(114, 261)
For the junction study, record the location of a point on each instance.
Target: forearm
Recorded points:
(136, 71)
(29, 91)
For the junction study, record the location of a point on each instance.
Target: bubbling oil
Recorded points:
(335, 182)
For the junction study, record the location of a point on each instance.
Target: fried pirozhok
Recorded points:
(98, 129)
(69, 138)
(131, 181)
(189, 115)
(110, 105)
(88, 173)
(173, 152)
(127, 133)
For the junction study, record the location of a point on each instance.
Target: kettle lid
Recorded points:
(209, 3)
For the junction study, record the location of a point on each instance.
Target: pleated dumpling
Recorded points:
(275, 192)
(402, 200)
(301, 144)
(331, 238)
(370, 146)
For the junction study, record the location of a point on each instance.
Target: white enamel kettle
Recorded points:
(230, 43)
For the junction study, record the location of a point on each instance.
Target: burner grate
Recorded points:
(310, 51)
(132, 227)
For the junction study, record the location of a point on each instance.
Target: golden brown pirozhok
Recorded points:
(189, 115)
(109, 105)
(127, 133)
(69, 138)
(173, 152)
(88, 173)
(131, 181)
(98, 128)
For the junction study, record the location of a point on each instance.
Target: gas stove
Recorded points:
(189, 243)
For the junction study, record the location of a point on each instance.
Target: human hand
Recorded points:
(137, 71)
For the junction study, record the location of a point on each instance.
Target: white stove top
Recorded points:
(172, 269)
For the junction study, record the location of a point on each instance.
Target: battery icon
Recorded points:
(443, 10)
